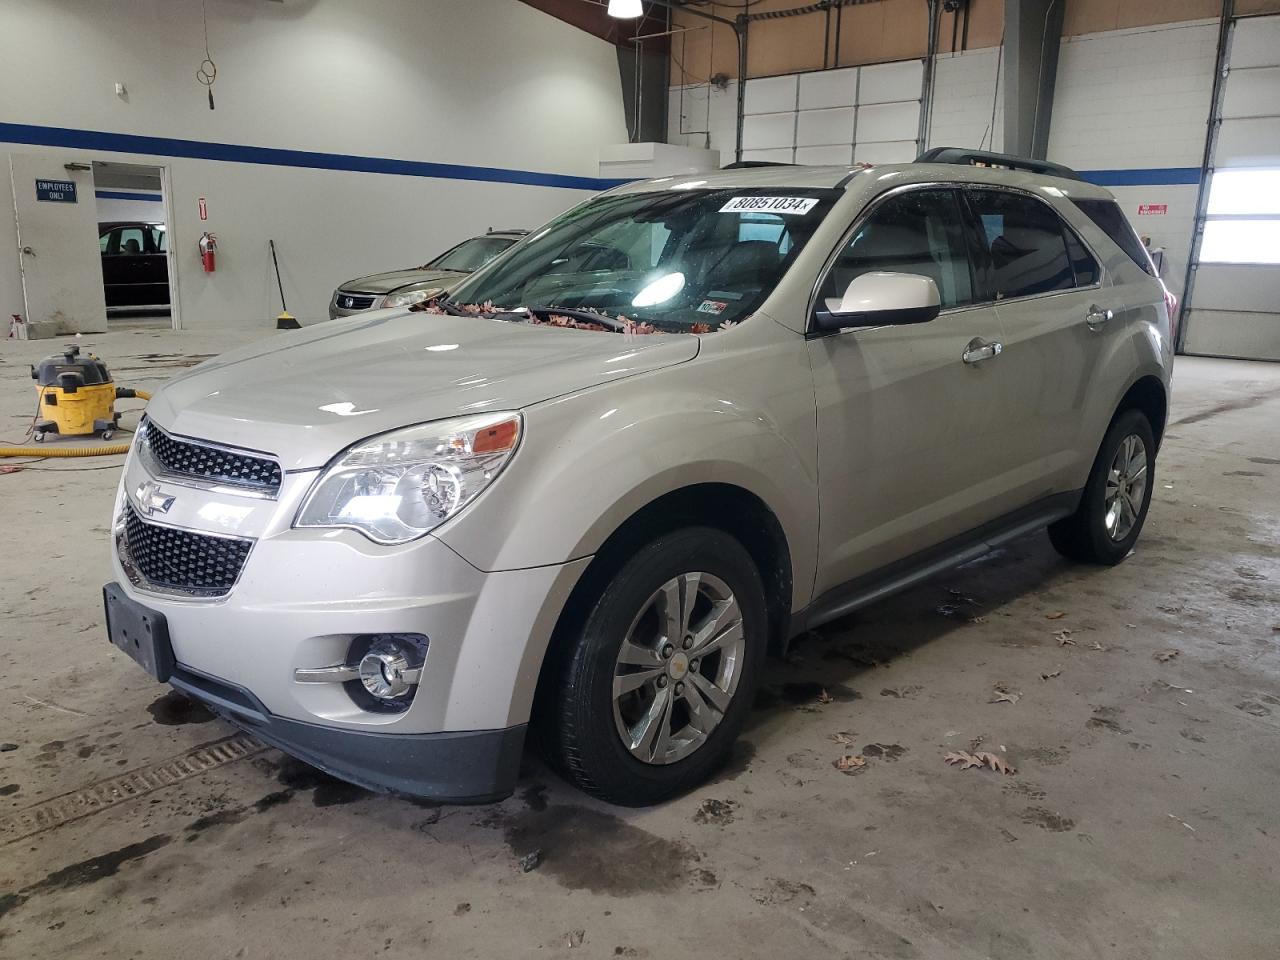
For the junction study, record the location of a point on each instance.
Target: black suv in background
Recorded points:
(135, 265)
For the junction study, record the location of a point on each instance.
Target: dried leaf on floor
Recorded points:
(1064, 638)
(849, 762)
(9, 469)
(977, 619)
(997, 763)
(842, 737)
(1164, 656)
(1095, 645)
(1050, 676)
(962, 759)
(1056, 615)
(824, 697)
(990, 761)
(1004, 695)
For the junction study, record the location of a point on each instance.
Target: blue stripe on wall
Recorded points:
(235, 153)
(272, 156)
(121, 195)
(1160, 176)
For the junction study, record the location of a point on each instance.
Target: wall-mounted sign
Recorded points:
(56, 191)
(1152, 209)
(204, 209)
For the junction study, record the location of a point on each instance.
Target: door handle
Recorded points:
(1097, 316)
(979, 350)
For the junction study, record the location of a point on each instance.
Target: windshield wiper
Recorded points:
(449, 307)
(586, 316)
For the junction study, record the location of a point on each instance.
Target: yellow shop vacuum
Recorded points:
(76, 396)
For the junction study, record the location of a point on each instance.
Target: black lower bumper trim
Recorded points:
(473, 766)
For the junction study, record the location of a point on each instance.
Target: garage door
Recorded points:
(1234, 298)
(852, 115)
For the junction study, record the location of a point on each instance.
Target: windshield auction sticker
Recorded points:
(793, 205)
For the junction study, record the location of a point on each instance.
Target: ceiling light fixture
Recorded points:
(625, 9)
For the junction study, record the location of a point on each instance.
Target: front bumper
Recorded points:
(475, 766)
(304, 595)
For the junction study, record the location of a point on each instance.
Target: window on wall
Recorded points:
(1026, 243)
(1242, 223)
(916, 232)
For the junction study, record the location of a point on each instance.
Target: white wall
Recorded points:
(1139, 99)
(490, 83)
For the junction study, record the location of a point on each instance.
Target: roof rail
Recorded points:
(985, 158)
(754, 164)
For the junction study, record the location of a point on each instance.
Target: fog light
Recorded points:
(383, 671)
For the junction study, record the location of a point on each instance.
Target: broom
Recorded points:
(286, 320)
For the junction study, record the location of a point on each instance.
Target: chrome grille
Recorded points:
(190, 458)
(354, 301)
(182, 560)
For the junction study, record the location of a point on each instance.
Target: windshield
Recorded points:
(683, 261)
(470, 255)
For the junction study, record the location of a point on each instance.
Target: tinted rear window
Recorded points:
(1110, 219)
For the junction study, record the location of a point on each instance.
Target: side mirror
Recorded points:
(880, 299)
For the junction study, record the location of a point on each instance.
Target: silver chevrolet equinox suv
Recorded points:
(589, 492)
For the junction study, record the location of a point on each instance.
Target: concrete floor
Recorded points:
(1142, 820)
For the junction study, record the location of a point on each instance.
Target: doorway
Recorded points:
(93, 244)
(1233, 285)
(133, 244)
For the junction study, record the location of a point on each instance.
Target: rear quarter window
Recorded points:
(1110, 219)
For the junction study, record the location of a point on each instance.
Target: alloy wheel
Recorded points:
(678, 668)
(1126, 487)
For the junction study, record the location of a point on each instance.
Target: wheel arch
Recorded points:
(728, 507)
(1148, 395)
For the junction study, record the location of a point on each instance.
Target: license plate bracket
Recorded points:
(140, 632)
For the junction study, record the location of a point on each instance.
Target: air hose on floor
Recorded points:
(43, 450)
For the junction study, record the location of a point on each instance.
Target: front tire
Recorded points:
(1116, 497)
(660, 678)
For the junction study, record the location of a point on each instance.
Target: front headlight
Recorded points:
(403, 298)
(397, 486)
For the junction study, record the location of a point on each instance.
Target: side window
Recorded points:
(1083, 265)
(1110, 219)
(1026, 243)
(129, 241)
(104, 240)
(158, 237)
(915, 232)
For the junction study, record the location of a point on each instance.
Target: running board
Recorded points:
(898, 576)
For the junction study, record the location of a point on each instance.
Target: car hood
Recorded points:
(395, 279)
(304, 396)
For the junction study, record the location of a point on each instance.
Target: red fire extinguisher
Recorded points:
(208, 251)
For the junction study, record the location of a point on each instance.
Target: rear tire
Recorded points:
(659, 679)
(1116, 497)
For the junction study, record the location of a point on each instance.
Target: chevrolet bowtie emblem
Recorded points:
(151, 500)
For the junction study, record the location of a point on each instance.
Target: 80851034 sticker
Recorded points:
(798, 206)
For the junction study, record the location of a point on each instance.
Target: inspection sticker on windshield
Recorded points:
(795, 205)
